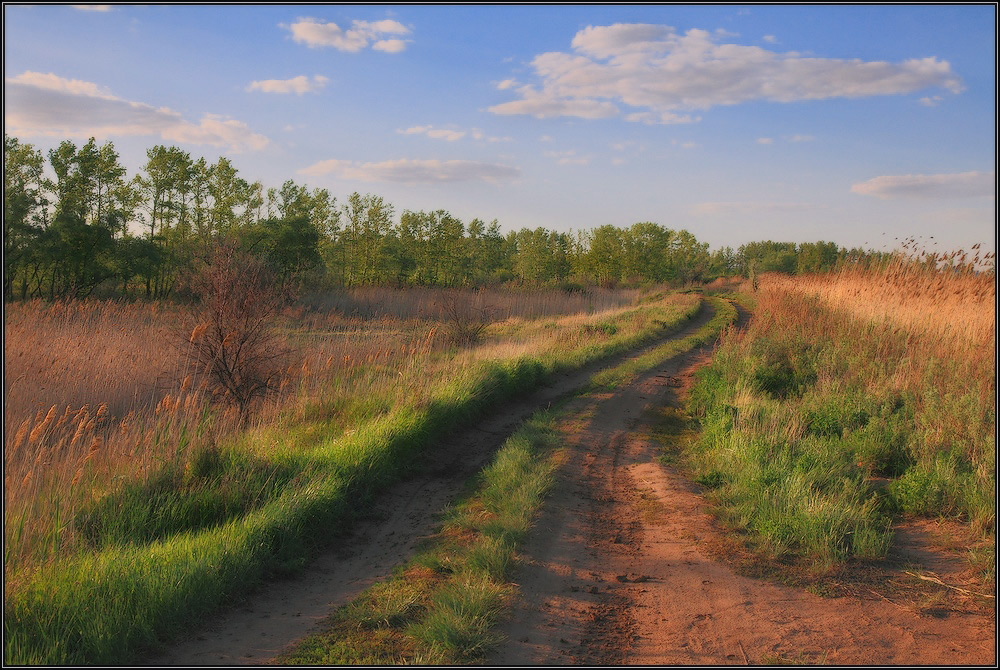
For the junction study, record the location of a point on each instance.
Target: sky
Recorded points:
(858, 124)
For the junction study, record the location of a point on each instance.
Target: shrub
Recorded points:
(237, 352)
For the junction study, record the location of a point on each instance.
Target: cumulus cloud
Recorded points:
(298, 85)
(317, 34)
(931, 100)
(393, 46)
(729, 208)
(931, 186)
(49, 105)
(414, 171)
(770, 39)
(664, 75)
(542, 105)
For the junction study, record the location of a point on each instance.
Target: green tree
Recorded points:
(604, 254)
(25, 213)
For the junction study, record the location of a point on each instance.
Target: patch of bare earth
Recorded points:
(623, 567)
(281, 612)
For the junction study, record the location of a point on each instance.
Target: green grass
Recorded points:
(612, 378)
(442, 606)
(775, 457)
(170, 550)
(796, 425)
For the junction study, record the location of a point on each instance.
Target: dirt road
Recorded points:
(282, 612)
(618, 571)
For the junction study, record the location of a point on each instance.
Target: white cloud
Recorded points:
(318, 34)
(543, 105)
(451, 134)
(568, 157)
(505, 84)
(800, 138)
(52, 82)
(298, 85)
(765, 140)
(48, 105)
(93, 8)
(731, 208)
(663, 75)
(655, 118)
(545, 138)
(770, 39)
(955, 185)
(931, 100)
(393, 46)
(414, 171)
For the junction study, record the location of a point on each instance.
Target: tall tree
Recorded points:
(25, 212)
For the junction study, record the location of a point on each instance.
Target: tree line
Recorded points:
(76, 223)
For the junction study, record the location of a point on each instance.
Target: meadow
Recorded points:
(855, 399)
(125, 479)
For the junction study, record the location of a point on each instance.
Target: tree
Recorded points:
(604, 254)
(291, 245)
(232, 340)
(816, 257)
(25, 211)
(691, 257)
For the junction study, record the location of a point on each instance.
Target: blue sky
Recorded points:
(856, 124)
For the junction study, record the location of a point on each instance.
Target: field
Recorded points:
(850, 412)
(96, 390)
(116, 458)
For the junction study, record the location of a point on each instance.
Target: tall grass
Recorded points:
(441, 607)
(885, 371)
(153, 551)
(427, 302)
(99, 392)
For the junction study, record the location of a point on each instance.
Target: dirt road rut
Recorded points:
(282, 612)
(617, 570)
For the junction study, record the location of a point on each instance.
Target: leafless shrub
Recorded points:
(237, 355)
(465, 316)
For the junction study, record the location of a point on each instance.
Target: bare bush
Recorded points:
(237, 354)
(466, 316)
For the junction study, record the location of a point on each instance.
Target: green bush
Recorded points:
(933, 489)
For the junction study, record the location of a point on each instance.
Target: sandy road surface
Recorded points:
(282, 612)
(617, 570)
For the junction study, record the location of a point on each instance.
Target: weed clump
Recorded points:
(821, 396)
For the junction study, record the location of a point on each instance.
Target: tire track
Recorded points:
(281, 612)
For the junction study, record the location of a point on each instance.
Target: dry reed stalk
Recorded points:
(145, 400)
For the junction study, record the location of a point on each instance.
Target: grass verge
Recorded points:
(134, 590)
(819, 430)
(441, 607)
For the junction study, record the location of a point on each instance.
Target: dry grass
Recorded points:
(949, 299)
(369, 302)
(98, 392)
(918, 329)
